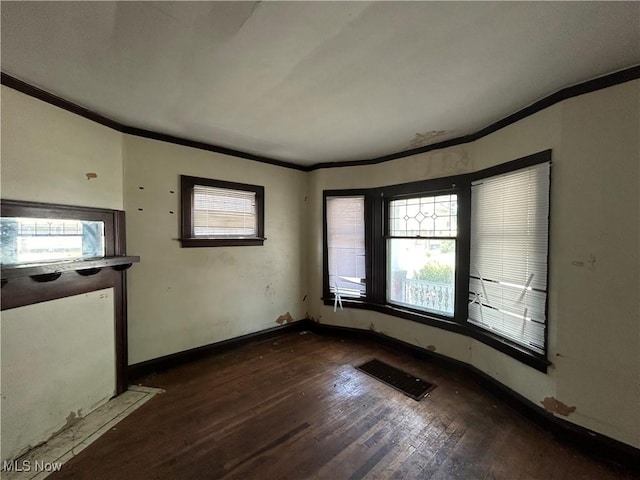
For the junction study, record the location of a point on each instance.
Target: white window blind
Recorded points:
(223, 212)
(508, 264)
(346, 245)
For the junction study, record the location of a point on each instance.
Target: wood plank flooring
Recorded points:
(294, 407)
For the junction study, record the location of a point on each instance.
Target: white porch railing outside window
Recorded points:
(428, 295)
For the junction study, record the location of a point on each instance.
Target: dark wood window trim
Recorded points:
(28, 284)
(368, 197)
(376, 205)
(187, 239)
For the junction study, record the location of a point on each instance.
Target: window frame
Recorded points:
(507, 241)
(188, 240)
(15, 208)
(446, 185)
(376, 215)
(334, 288)
(326, 288)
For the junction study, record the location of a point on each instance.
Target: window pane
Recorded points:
(508, 263)
(434, 216)
(222, 212)
(346, 245)
(32, 240)
(421, 274)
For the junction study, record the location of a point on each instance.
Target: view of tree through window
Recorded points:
(421, 252)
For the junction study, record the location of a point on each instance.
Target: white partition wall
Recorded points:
(58, 364)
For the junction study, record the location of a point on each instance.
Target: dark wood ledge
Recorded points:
(83, 267)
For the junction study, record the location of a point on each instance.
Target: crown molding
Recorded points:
(599, 83)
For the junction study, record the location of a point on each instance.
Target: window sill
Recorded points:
(221, 242)
(515, 351)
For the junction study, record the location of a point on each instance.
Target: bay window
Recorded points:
(466, 253)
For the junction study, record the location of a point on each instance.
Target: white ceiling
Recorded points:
(309, 82)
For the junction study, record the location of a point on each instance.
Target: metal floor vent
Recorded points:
(411, 386)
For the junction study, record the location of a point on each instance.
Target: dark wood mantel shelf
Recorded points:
(52, 270)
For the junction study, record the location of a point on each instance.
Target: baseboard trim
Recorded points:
(590, 442)
(141, 369)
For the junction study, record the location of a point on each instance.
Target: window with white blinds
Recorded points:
(346, 245)
(218, 213)
(508, 257)
(222, 212)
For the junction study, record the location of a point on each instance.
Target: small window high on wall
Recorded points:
(218, 213)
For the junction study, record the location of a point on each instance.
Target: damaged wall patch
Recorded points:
(286, 318)
(553, 405)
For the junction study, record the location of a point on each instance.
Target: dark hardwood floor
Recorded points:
(294, 407)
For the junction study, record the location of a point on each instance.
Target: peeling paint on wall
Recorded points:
(286, 318)
(555, 406)
(431, 348)
(423, 138)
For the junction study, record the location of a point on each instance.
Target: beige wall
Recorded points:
(47, 152)
(594, 314)
(598, 338)
(58, 364)
(182, 298)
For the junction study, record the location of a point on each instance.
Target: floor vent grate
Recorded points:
(411, 386)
